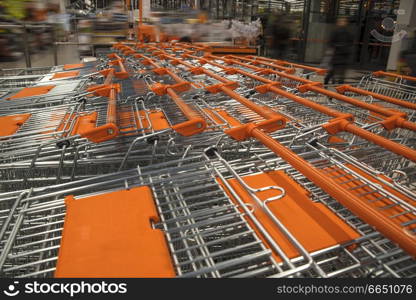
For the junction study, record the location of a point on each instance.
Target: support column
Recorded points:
(406, 20)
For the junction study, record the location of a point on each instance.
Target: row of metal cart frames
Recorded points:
(161, 160)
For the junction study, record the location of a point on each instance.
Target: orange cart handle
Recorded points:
(256, 61)
(319, 71)
(353, 101)
(195, 125)
(360, 208)
(389, 74)
(343, 88)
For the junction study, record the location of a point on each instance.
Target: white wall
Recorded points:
(406, 20)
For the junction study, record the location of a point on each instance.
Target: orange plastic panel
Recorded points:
(32, 91)
(10, 124)
(85, 123)
(73, 66)
(313, 224)
(110, 235)
(158, 119)
(65, 74)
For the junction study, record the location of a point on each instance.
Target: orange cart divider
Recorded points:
(111, 235)
(362, 209)
(11, 124)
(312, 224)
(73, 66)
(32, 91)
(65, 75)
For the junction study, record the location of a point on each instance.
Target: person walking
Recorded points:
(341, 45)
(409, 58)
(278, 35)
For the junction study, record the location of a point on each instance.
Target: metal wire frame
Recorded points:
(365, 118)
(178, 186)
(381, 159)
(44, 164)
(374, 256)
(13, 79)
(41, 159)
(207, 234)
(66, 91)
(394, 89)
(329, 257)
(411, 113)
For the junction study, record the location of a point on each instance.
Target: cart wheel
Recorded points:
(313, 142)
(210, 152)
(61, 144)
(152, 139)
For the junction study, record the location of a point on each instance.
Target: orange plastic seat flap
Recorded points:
(32, 91)
(313, 224)
(73, 66)
(11, 124)
(111, 235)
(65, 75)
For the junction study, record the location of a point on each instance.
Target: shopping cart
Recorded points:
(203, 230)
(242, 171)
(206, 209)
(390, 84)
(342, 168)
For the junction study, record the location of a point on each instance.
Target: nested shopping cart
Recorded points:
(241, 168)
(194, 229)
(203, 217)
(390, 84)
(74, 147)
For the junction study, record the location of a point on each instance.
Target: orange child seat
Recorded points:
(111, 236)
(10, 124)
(313, 224)
(32, 91)
(73, 66)
(65, 75)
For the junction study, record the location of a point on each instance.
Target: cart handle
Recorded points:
(395, 118)
(258, 62)
(262, 70)
(344, 88)
(318, 71)
(361, 208)
(123, 74)
(394, 75)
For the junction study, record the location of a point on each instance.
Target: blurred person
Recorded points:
(11, 42)
(340, 46)
(408, 57)
(85, 28)
(185, 39)
(278, 35)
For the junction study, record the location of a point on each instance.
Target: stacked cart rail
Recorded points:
(163, 161)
